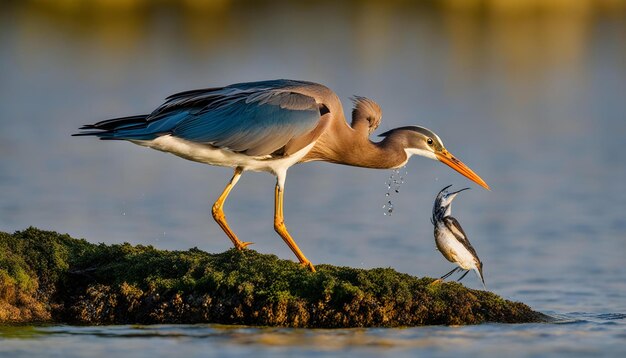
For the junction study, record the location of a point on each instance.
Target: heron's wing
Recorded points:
(458, 232)
(257, 120)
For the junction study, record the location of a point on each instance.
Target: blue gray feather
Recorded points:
(257, 118)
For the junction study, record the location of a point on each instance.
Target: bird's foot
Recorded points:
(242, 245)
(308, 265)
(436, 282)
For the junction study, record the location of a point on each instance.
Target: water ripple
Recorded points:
(611, 316)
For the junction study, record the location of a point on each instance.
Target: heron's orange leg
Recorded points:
(281, 229)
(218, 211)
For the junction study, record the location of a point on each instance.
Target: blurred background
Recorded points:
(530, 94)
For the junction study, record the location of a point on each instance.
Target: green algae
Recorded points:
(45, 276)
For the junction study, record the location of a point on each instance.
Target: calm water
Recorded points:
(534, 102)
(585, 336)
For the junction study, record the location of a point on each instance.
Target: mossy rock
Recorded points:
(49, 277)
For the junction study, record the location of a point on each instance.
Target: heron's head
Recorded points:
(424, 142)
(443, 202)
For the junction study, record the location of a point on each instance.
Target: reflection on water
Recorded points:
(577, 330)
(531, 98)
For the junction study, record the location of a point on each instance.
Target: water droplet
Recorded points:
(396, 179)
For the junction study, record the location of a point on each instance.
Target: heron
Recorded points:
(269, 126)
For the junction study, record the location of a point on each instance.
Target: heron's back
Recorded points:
(256, 118)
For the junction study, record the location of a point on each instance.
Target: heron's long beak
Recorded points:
(446, 157)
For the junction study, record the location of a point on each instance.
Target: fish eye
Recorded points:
(430, 141)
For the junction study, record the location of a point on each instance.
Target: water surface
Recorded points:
(577, 335)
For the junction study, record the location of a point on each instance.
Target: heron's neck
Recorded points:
(341, 144)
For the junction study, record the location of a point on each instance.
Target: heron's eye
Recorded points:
(430, 142)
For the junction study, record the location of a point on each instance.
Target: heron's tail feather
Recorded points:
(133, 127)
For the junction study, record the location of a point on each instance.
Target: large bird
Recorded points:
(269, 126)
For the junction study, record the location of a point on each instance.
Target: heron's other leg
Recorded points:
(218, 211)
(281, 229)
